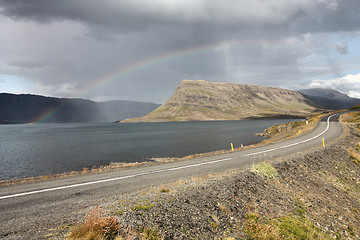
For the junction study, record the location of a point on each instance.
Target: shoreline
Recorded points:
(255, 117)
(285, 133)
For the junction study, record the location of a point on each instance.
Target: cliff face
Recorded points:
(207, 101)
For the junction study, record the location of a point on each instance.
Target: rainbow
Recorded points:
(146, 63)
(165, 57)
(45, 116)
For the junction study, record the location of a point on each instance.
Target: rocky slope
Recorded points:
(206, 101)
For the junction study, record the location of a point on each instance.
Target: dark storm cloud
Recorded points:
(305, 16)
(71, 43)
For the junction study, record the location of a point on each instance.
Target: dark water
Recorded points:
(40, 149)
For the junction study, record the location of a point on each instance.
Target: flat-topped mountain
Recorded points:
(199, 100)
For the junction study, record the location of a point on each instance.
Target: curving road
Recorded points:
(27, 210)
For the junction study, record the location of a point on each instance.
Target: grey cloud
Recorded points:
(341, 48)
(330, 17)
(136, 15)
(73, 43)
(30, 64)
(213, 20)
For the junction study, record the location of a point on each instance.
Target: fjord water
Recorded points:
(40, 149)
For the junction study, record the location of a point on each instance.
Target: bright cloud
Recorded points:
(350, 84)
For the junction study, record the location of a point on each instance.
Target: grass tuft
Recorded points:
(287, 227)
(142, 207)
(265, 170)
(223, 208)
(151, 234)
(164, 190)
(354, 153)
(96, 225)
(256, 229)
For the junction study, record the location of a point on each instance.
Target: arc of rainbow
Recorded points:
(45, 116)
(148, 62)
(151, 61)
(48, 114)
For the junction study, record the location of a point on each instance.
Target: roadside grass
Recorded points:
(151, 234)
(265, 170)
(97, 225)
(287, 227)
(353, 119)
(294, 226)
(164, 190)
(355, 155)
(290, 130)
(145, 207)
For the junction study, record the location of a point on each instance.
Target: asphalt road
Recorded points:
(26, 210)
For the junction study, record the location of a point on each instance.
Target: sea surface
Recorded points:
(28, 150)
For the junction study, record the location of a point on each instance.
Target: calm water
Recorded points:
(40, 149)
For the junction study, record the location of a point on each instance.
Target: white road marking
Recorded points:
(165, 170)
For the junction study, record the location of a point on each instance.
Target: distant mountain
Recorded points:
(25, 108)
(206, 101)
(329, 98)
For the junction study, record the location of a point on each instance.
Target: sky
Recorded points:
(141, 50)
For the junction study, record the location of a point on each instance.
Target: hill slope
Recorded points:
(330, 98)
(206, 101)
(32, 108)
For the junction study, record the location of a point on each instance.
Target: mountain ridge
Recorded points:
(26, 108)
(329, 98)
(199, 100)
